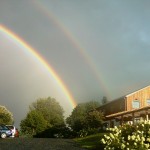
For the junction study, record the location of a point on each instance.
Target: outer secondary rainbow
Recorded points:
(40, 59)
(99, 76)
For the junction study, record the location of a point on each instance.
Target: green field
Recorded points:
(91, 142)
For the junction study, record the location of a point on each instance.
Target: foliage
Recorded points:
(82, 115)
(128, 137)
(88, 131)
(91, 142)
(45, 116)
(55, 132)
(104, 100)
(34, 123)
(6, 116)
(50, 109)
(82, 133)
(94, 119)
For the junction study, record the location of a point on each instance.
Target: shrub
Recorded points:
(82, 133)
(135, 137)
(88, 131)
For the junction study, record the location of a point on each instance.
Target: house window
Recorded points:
(136, 104)
(148, 101)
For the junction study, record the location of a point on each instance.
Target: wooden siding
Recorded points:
(141, 95)
(125, 103)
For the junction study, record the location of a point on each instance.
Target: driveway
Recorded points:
(38, 144)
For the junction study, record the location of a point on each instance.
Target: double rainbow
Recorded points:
(76, 44)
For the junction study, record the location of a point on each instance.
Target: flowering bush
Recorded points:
(128, 137)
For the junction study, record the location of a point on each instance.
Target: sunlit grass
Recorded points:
(91, 142)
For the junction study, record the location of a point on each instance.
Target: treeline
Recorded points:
(45, 118)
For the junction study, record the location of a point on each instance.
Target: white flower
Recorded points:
(148, 139)
(145, 122)
(147, 145)
(138, 138)
(138, 131)
(105, 135)
(123, 146)
(112, 136)
(103, 141)
(143, 138)
(135, 144)
(115, 128)
(133, 137)
(129, 137)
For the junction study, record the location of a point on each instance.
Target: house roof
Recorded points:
(137, 91)
(124, 96)
(112, 101)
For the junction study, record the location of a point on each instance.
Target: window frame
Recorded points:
(147, 103)
(135, 104)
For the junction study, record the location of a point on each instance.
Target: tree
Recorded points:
(44, 114)
(95, 119)
(50, 109)
(104, 100)
(6, 116)
(78, 118)
(33, 123)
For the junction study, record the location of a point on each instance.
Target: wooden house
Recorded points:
(131, 107)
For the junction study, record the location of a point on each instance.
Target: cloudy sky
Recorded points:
(96, 47)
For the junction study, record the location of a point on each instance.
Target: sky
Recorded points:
(95, 47)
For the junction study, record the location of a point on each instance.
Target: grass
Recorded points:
(91, 142)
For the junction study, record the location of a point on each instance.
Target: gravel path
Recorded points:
(38, 144)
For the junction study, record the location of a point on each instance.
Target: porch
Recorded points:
(131, 116)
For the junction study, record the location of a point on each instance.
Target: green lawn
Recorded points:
(91, 142)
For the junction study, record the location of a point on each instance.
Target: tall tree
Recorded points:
(50, 109)
(33, 123)
(104, 100)
(6, 116)
(94, 119)
(44, 113)
(78, 118)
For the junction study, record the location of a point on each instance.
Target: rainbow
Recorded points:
(19, 41)
(86, 57)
